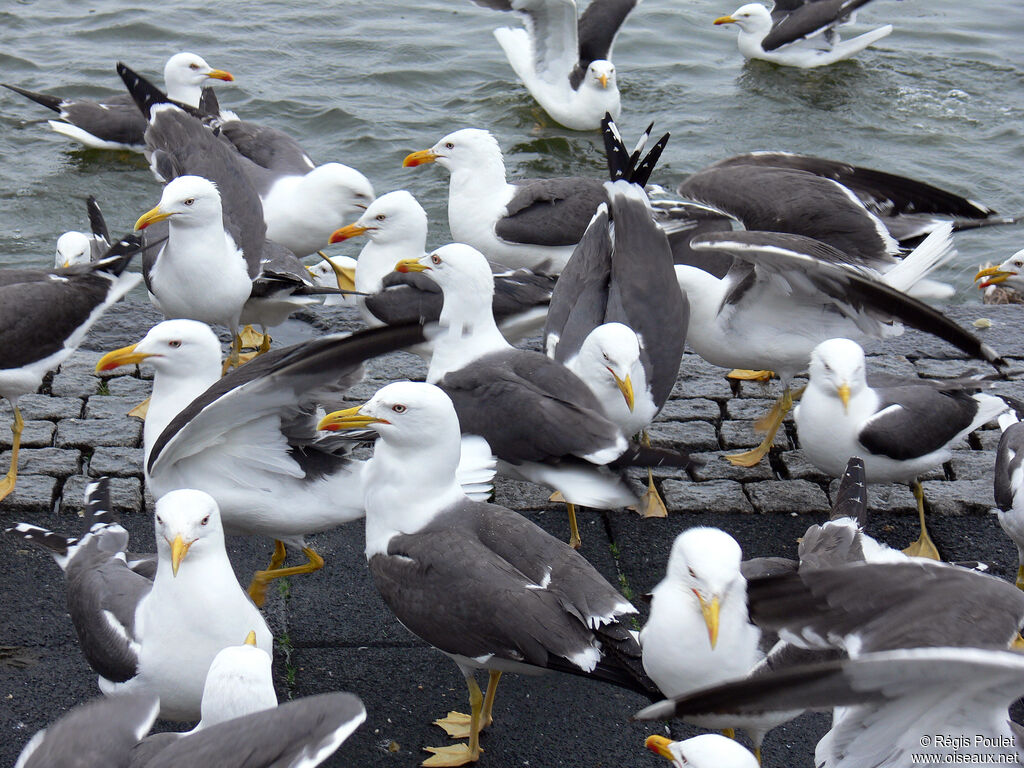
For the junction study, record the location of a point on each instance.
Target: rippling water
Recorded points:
(364, 83)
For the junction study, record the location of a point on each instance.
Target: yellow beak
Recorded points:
(152, 217)
(65, 265)
(350, 418)
(710, 611)
(250, 639)
(995, 276)
(725, 20)
(626, 388)
(178, 551)
(352, 230)
(604, 81)
(410, 265)
(220, 74)
(123, 356)
(659, 746)
(844, 395)
(422, 157)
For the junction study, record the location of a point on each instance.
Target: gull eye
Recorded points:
(189, 201)
(692, 573)
(381, 217)
(435, 259)
(398, 408)
(449, 145)
(159, 520)
(174, 344)
(193, 65)
(205, 520)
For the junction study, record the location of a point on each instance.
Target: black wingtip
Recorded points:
(852, 496)
(98, 509)
(97, 223)
(50, 102)
(120, 254)
(623, 164)
(146, 94)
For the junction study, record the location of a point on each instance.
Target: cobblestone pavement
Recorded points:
(333, 631)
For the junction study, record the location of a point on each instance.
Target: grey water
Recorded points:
(364, 83)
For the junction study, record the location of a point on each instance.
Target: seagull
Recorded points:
(75, 248)
(800, 33)
(1008, 479)
(44, 316)
(618, 319)
(900, 427)
(248, 439)
(565, 63)
(541, 421)
(1006, 274)
(396, 227)
(786, 293)
(709, 750)
(115, 122)
(477, 581)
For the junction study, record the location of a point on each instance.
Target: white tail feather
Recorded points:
(936, 250)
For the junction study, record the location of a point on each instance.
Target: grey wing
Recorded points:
(864, 608)
(822, 269)
(852, 497)
(756, 567)
(550, 211)
(267, 147)
(1009, 457)
(454, 593)
(799, 20)
(528, 409)
(299, 734)
(406, 298)
(833, 544)
(774, 199)
(520, 291)
(99, 732)
(113, 120)
(278, 391)
(103, 594)
(598, 26)
(580, 296)
(915, 419)
(553, 29)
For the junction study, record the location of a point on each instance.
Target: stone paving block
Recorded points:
(129, 386)
(688, 435)
(109, 406)
(949, 369)
(959, 497)
(887, 498)
(83, 361)
(716, 467)
(700, 379)
(711, 496)
(125, 494)
(31, 494)
(519, 494)
(35, 407)
(35, 434)
(92, 433)
(741, 434)
(988, 438)
(783, 496)
(747, 408)
(799, 468)
(74, 384)
(973, 465)
(690, 409)
(56, 462)
(891, 365)
(116, 462)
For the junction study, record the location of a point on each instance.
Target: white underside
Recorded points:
(811, 53)
(84, 137)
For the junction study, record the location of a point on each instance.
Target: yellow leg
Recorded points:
(1020, 576)
(729, 733)
(651, 504)
(574, 530)
(757, 754)
(260, 579)
(232, 360)
(265, 343)
(457, 724)
(7, 484)
(460, 754)
(923, 546)
(769, 424)
(743, 374)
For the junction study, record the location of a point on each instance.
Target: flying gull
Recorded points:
(44, 316)
(1008, 479)
(618, 319)
(800, 33)
(79, 248)
(115, 122)
(476, 581)
(248, 439)
(900, 427)
(709, 750)
(565, 63)
(396, 227)
(158, 636)
(542, 422)
(786, 293)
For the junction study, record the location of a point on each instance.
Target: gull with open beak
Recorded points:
(1007, 274)
(900, 427)
(709, 750)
